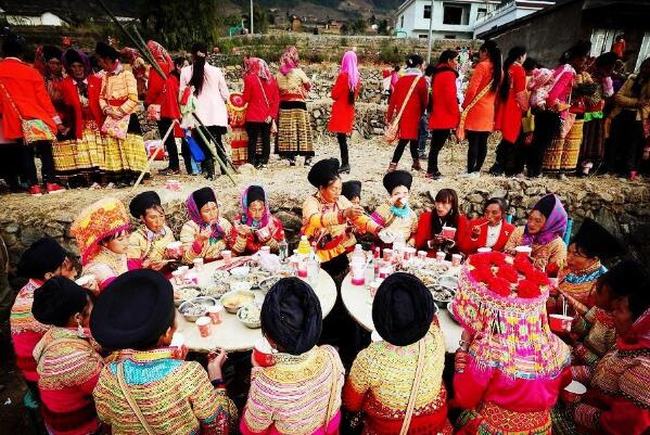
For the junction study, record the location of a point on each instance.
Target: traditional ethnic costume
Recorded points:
(220, 237)
(144, 244)
(268, 231)
(592, 149)
(301, 391)
(53, 80)
(294, 127)
(124, 152)
(548, 247)
(382, 376)
(515, 366)
(83, 152)
(399, 220)
(173, 396)
(68, 365)
(43, 256)
(97, 222)
(237, 120)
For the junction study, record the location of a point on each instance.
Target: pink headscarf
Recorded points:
(258, 67)
(349, 66)
(161, 56)
(289, 60)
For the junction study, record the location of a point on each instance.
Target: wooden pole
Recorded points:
(155, 153)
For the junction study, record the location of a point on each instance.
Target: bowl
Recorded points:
(196, 307)
(185, 293)
(235, 299)
(266, 284)
(240, 286)
(249, 315)
(216, 290)
(449, 282)
(560, 323)
(240, 272)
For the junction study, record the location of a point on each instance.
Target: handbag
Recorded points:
(195, 149)
(414, 389)
(116, 127)
(460, 130)
(392, 130)
(131, 401)
(34, 130)
(153, 112)
(528, 122)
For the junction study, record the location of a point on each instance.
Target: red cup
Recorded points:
(214, 313)
(449, 232)
(205, 326)
(263, 353)
(560, 323)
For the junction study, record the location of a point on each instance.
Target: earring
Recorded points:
(80, 329)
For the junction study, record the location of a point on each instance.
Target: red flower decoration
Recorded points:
(509, 273)
(528, 289)
(523, 264)
(483, 259)
(499, 286)
(538, 277)
(482, 273)
(498, 258)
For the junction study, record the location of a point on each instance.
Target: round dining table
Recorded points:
(231, 334)
(358, 302)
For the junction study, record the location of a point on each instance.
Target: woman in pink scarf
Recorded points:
(344, 93)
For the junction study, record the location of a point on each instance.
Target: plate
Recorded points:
(576, 387)
(235, 299)
(186, 292)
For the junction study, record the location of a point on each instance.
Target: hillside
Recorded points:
(334, 9)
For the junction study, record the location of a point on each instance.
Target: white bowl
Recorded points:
(240, 286)
(240, 272)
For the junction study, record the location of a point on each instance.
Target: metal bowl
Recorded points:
(266, 284)
(186, 293)
(234, 300)
(249, 315)
(197, 307)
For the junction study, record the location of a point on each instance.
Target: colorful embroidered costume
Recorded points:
(144, 244)
(267, 231)
(579, 285)
(595, 334)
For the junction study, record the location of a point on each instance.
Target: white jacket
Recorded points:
(211, 102)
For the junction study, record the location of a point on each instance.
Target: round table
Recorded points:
(231, 334)
(358, 302)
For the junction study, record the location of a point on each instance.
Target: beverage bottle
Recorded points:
(283, 250)
(304, 248)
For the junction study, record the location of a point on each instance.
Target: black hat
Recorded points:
(142, 202)
(351, 189)
(203, 196)
(57, 300)
(71, 56)
(403, 309)
(104, 50)
(545, 205)
(134, 311)
(397, 178)
(291, 316)
(43, 256)
(324, 172)
(629, 279)
(595, 241)
(254, 193)
(51, 52)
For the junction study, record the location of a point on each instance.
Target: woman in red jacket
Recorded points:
(489, 231)
(344, 93)
(83, 153)
(445, 112)
(512, 103)
(162, 102)
(433, 226)
(409, 123)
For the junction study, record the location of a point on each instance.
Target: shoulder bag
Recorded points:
(414, 389)
(131, 401)
(460, 130)
(34, 130)
(392, 131)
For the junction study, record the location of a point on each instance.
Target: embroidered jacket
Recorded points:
(596, 335)
(251, 243)
(146, 245)
(211, 248)
(549, 257)
(405, 226)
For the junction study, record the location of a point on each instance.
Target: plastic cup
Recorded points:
(449, 232)
(440, 256)
(86, 280)
(388, 255)
(198, 264)
(422, 255)
(227, 256)
(263, 353)
(174, 250)
(373, 287)
(409, 253)
(523, 251)
(204, 324)
(560, 323)
(214, 313)
(265, 250)
(456, 259)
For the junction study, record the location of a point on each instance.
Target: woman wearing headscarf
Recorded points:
(82, 154)
(143, 388)
(124, 153)
(510, 367)
(68, 365)
(406, 366)
(255, 226)
(543, 232)
(102, 232)
(262, 95)
(148, 243)
(207, 233)
(294, 128)
(162, 102)
(410, 97)
(301, 391)
(345, 93)
(397, 218)
(203, 91)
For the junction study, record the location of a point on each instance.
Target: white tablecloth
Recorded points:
(232, 335)
(358, 302)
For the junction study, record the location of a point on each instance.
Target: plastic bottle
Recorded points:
(283, 250)
(304, 248)
(358, 265)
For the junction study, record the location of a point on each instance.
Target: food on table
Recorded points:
(196, 307)
(185, 293)
(234, 300)
(250, 315)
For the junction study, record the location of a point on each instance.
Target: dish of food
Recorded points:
(196, 307)
(442, 294)
(240, 272)
(249, 315)
(267, 283)
(220, 276)
(235, 299)
(216, 290)
(185, 293)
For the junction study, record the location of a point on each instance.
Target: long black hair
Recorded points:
(579, 49)
(514, 54)
(448, 196)
(495, 57)
(199, 52)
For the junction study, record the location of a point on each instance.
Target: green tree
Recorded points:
(261, 19)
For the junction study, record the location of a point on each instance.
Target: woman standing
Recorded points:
(203, 91)
(162, 102)
(124, 153)
(255, 226)
(512, 103)
(478, 106)
(445, 113)
(262, 95)
(48, 60)
(410, 98)
(345, 93)
(301, 391)
(68, 365)
(83, 154)
(294, 128)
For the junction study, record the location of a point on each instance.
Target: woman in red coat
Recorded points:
(445, 112)
(262, 95)
(409, 123)
(430, 235)
(82, 154)
(344, 93)
(162, 96)
(512, 103)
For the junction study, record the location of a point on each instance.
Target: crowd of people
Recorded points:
(97, 353)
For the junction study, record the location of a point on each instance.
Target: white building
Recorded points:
(508, 11)
(34, 19)
(453, 19)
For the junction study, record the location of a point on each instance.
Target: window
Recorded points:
(427, 12)
(423, 36)
(482, 12)
(401, 22)
(450, 36)
(454, 15)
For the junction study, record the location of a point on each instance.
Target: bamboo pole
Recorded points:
(153, 156)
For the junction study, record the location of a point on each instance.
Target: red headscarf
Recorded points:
(258, 67)
(161, 56)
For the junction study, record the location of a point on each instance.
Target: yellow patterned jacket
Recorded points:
(144, 245)
(404, 226)
(550, 257)
(120, 91)
(210, 249)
